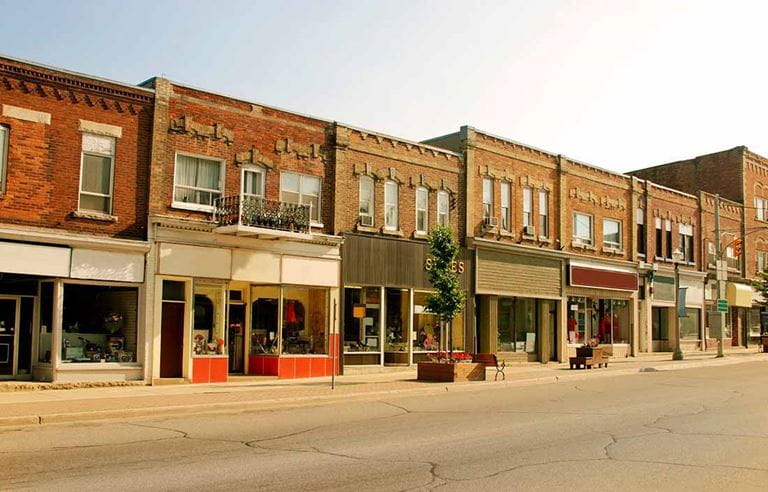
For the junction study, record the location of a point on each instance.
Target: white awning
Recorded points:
(32, 259)
(738, 295)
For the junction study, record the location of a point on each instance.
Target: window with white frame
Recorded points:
(761, 208)
(443, 208)
(3, 157)
(686, 241)
(422, 209)
(366, 201)
(762, 257)
(506, 205)
(612, 233)
(253, 182)
(732, 261)
(582, 228)
(301, 189)
(96, 174)
(198, 182)
(487, 197)
(527, 206)
(390, 206)
(543, 213)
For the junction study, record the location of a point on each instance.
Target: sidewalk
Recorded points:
(246, 394)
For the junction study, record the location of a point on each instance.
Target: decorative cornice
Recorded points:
(602, 201)
(253, 156)
(186, 125)
(288, 146)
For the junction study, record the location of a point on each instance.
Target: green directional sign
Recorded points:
(722, 305)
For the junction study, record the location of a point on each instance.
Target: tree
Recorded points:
(760, 284)
(448, 299)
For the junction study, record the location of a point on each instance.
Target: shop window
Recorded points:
(527, 206)
(99, 323)
(612, 234)
(443, 208)
(301, 189)
(641, 239)
(96, 174)
(3, 157)
(391, 221)
(422, 210)
(253, 182)
(397, 303)
(487, 198)
(208, 334)
(506, 206)
(46, 322)
(578, 323)
(426, 326)
(264, 319)
(366, 201)
(582, 228)
(606, 320)
(544, 213)
(753, 322)
(689, 325)
(198, 182)
(517, 325)
(660, 323)
(305, 320)
(362, 312)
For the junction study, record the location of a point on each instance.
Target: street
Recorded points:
(702, 429)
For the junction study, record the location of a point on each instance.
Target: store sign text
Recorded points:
(456, 266)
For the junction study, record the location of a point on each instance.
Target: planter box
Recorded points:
(450, 372)
(595, 352)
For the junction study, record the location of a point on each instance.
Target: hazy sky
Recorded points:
(618, 84)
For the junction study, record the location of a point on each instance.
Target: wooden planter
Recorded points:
(450, 372)
(595, 352)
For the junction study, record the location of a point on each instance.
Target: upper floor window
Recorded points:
(668, 226)
(253, 182)
(301, 189)
(659, 239)
(487, 197)
(366, 201)
(582, 228)
(612, 233)
(641, 239)
(506, 205)
(544, 213)
(3, 157)
(443, 208)
(422, 209)
(761, 209)
(96, 174)
(762, 261)
(527, 206)
(732, 261)
(198, 182)
(686, 241)
(390, 205)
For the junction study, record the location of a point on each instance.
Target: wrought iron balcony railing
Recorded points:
(251, 211)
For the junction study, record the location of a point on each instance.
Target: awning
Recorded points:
(738, 295)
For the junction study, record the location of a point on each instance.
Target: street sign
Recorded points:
(722, 305)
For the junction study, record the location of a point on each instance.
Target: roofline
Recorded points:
(440, 136)
(77, 74)
(399, 139)
(667, 188)
(744, 147)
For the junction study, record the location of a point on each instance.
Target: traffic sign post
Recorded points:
(722, 305)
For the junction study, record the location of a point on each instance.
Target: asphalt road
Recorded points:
(700, 429)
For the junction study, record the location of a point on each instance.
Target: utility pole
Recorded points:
(721, 275)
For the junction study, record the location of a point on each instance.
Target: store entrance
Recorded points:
(236, 338)
(172, 340)
(16, 318)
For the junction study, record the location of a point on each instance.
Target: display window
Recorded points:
(606, 320)
(397, 308)
(305, 320)
(689, 325)
(517, 325)
(362, 316)
(427, 336)
(753, 322)
(46, 322)
(208, 333)
(99, 323)
(264, 319)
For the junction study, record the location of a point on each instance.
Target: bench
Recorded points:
(587, 362)
(490, 360)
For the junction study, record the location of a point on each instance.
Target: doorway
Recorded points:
(16, 320)
(236, 337)
(172, 329)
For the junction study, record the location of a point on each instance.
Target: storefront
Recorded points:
(602, 307)
(70, 313)
(245, 307)
(385, 320)
(519, 298)
(740, 300)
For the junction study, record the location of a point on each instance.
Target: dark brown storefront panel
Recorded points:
(605, 279)
(520, 274)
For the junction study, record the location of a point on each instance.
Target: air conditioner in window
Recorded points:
(366, 220)
(529, 230)
(490, 223)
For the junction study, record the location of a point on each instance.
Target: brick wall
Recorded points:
(755, 186)
(663, 204)
(43, 173)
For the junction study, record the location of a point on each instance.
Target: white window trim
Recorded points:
(4, 139)
(443, 196)
(196, 206)
(111, 194)
(507, 205)
(372, 204)
(591, 239)
(314, 223)
(527, 206)
(257, 169)
(397, 206)
(613, 245)
(544, 231)
(490, 203)
(426, 211)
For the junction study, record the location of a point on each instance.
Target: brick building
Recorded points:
(74, 172)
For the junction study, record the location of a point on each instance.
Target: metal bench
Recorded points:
(490, 360)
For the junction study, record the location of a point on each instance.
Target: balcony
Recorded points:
(254, 216)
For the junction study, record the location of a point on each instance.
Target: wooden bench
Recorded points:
(587, 362)
(490, 360)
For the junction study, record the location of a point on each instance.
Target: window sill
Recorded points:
(527, 237)
(576, 245)
(192, 206)
(507, 234)
(612, 250)
(420, 235)
(362, 228)
(392, 232)
(544, 239)
(316, 225)
(81, 214)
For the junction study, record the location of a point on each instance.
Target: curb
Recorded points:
(301, 401)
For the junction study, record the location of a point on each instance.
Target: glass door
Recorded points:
(9, 320)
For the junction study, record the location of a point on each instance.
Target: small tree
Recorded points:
(448, 299)
(760, 284)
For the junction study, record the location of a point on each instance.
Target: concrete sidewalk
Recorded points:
(249, 394)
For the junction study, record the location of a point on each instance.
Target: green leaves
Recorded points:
(760, 284)
(448, 299)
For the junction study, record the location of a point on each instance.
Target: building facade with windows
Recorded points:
(243, 274)
(74, 172)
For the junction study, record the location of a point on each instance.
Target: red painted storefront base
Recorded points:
(210, 369)
(294, 366)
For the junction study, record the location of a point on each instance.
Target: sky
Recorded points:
(619, 84)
